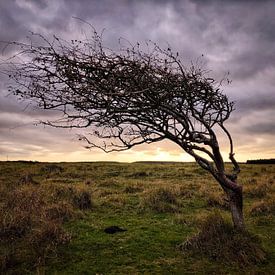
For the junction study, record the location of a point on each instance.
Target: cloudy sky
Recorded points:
(233, 36)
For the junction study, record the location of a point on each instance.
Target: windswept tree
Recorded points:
(130, 97)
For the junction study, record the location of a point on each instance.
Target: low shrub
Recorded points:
(217, 240)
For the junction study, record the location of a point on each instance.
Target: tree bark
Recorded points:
(236, 207)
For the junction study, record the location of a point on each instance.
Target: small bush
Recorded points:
(159, 200)
(264, 207)
(217, 240)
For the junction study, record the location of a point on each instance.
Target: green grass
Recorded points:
(122, 195)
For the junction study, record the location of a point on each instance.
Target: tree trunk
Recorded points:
(236, 207)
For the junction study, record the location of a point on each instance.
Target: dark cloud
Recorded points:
(241, 33)
(264, 102)
(262, 128)
(234, 36)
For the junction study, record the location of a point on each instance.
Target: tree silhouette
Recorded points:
(130, 97)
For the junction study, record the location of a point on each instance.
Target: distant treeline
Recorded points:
(261, 161)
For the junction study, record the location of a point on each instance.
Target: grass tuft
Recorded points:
(264, 207)
(32, 217)
(61, 211)
(47, 237)
(217, 240)
(160, 200)
(27, 179)
(132, 189)
(51, 168)
(217, 200)
(82, 200)
(139, 174)
(259, 190)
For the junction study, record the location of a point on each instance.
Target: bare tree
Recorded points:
(130, 97)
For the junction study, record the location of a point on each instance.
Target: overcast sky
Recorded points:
(233, 36)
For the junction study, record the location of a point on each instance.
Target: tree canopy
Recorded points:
(128, 97)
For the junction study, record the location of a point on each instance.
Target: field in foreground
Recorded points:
(53, 217)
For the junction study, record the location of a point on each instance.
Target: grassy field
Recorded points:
(53, 216)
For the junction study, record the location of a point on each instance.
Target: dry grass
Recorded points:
(179, 218)
(217, 240)
(217, 200)
(82, 199)
(132, 189)
(186, 191)
(27, 178)
(114, 200)
(51, 168)
(160, 205)
(32, 216)
(263, 207)
(159, 200)
(259, 190)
